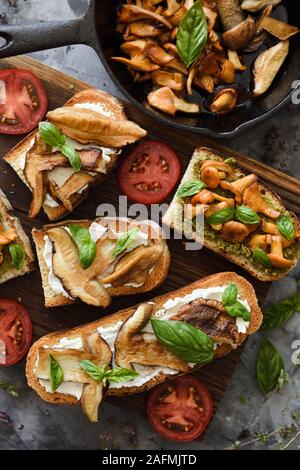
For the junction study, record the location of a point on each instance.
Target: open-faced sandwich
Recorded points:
(16, 256)
(244, 221)
(135, 349)
(93, 261)
(73, 151)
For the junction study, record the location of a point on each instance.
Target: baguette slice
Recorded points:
(173, 218)
(156, 278)
(109, 105)
(246, 292)
(10, 222)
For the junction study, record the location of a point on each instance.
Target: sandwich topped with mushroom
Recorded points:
(244, 220)
(135, 349)
(93, 261)
(71, 152)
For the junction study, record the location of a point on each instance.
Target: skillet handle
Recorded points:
(21, 39)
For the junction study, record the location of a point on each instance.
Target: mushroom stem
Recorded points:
(230, 13)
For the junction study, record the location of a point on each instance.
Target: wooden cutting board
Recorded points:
(185, 267)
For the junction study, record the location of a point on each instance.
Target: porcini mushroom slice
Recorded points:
(234, 232)
(163, 78)
(76, 280)
(87, 127)
(7, 236)
(143, 29)
(238, 187)
(241, 35)
(73, 189)
(253, 199)
(230, 13)
(255, 5)
(157, 54)
(172, 7)
(133, 13)
(132, 346)
(267, 65)
(276, 255)
(165, 100)
(277, 28)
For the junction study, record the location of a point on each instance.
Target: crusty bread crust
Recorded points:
(111, 104)
(246, 291)
(155, 279)
(173, 218)
(10, 222)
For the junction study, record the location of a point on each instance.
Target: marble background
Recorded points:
(243, 411)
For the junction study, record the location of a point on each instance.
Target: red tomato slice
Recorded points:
(15, 332)
(181, 409)
(23, 101)
(150, 172)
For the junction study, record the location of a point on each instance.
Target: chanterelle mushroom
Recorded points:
(78, 281)
(165, 100)
(132, 13)
(132, 346)
(224, 101)
(238, 187)
(253, 199)
(276, 255)
(260, 241)
(234, 232)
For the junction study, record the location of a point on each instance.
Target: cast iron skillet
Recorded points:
(97, 29)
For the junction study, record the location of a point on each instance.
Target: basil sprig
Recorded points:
(87, 247)
(233, 307)
(269, 368)
(52, 136)
(246, 215)
(261, 257)
(222, 216)
(285, 226)
(190, 188)
(278, 313)
(192, 34)
(100, 374)
(184, 340)
(125, 240)
(17, 254)
(56, 374)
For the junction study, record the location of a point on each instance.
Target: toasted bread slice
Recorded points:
(10, 222)
(92, 99)
(154, 279)
(174, 216)
(246, 292)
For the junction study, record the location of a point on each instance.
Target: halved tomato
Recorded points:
(15, 332)
(181, 409)
(150, 172)
(23, 101)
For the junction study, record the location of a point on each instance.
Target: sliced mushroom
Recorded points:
(206, 83)
(277, 28)
(204, 197)
(260, 241)
(234, 232)
(76, 280)
(269, 227)
(143, 29)
(241, 35)
(86, 127)
(238, 187)
(165, 100)
(90, 159)
(253, 199)
(138, 62)
(172, 7)
(267, 65)
(133, 13)
(228, 72)
(178, 16)
(260, 34)
(7, 236)
(255, 5)
(224, 101)
(73, 189)
(276, 255)
(177, 65)
(236, 62)
(132, 346)
(157, 54)
(230, 13)
(172, 80)
(211, 17)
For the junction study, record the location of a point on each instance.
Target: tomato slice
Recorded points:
(180, 409)
(23, 101)
(150, 172)
(15, 332)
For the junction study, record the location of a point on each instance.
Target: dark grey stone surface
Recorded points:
(244, 411)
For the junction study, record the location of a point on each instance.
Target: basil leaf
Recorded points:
(238, 310)
(87, 247)
(94, 371)
(125, 240)
(192, 34)
(51, 135)
(56, 374)
(184, 340)
(277, 314)
(120, 374)
(72, 155)
(190, 188)
(230, 294)
(246, 215)
(261, 257)
(18, 255)
(286, 228)
(269, 366)
(222, 216)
